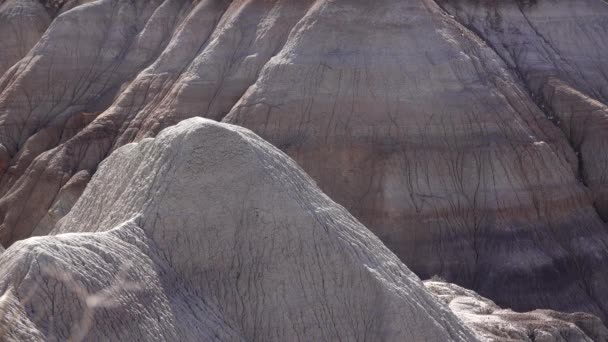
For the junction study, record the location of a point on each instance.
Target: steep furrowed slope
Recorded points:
(425, 132)
(214, 47)
(22, 23)
(209, 232)
(559, 49)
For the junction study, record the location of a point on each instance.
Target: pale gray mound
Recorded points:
(101, 286)
(207, 232)
(492, 323)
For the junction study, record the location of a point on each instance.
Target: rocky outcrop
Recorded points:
(412, 122)
(491, 323)
(584, 120)
(207, 232)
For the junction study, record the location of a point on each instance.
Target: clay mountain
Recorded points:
(303, 170)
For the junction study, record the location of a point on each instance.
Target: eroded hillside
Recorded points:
(143, 262)
(468, 135)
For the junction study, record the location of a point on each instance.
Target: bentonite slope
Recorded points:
(424, 134)
(418, 126)
(22, 23)
(494, 324)
(559, 49)
(207, 232)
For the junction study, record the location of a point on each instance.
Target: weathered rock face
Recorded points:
(559, 49)
(83, 69)
(402, 115)
(419, 129)
(143, 58)
(63, 202)
(544, 39)
(208, 232)
(491, 323)
(22, 23)
(584, 120)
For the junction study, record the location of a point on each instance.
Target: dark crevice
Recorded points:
(53, 7)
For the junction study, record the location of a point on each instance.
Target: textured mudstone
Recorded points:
(584, 120)
(207, 232)
(66, 198)
(22, 23)
(423, 130)
(544, 39)
(140, 66)
(559, 50)
(492, 323)
(14, 325)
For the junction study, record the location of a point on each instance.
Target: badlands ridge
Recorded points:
(273, 170)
